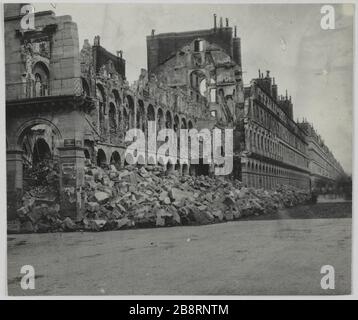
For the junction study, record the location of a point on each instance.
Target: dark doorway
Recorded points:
(41, 151)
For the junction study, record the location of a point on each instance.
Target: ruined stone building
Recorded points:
(206, 66)
(66, 104)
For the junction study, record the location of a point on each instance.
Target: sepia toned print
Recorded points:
(156, 152)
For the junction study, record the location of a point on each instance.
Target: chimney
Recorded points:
(227, 22)
(274, 89)
(214, 21)
(153, 31)
(221, 22)
(235, 32)
(236, 46)
(120, 54)
(96, 41)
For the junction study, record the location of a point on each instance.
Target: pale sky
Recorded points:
(314, 65)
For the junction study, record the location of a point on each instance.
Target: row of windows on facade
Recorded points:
(269, 102)
(174, 101)
(266, 144)
(272, 170)
(268, 182)
(323, 167)
(261, 116)
(322, 171)
(325, 161)
(124, 120)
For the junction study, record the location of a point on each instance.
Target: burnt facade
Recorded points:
(206, 66)
(120, 106)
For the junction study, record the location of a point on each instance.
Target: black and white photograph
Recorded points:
(178, 149)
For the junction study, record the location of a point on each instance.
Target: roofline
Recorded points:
(202, 31)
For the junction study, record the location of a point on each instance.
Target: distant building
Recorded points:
(325, 170)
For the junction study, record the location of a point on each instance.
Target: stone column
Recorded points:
(71, 180)
(14, 181)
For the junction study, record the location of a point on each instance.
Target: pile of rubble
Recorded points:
(147, 197)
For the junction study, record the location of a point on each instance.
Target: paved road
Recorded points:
(281, 256)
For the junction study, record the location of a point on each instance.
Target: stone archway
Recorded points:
(32, 152)
(22, 131)
(116, 160)
(101, 158)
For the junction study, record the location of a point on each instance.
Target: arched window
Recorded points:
(190, 125)
(112, 119)
(117, 97)
(101, 158)
(101, 108)
(140, 115)
(38, 85)
(116, 160)
(125, 120)
(168, 120)
(176, 123)
(183, 123)
(119, 120)
(41, 75)
(160, 117)
(150, 113)
(131, 111)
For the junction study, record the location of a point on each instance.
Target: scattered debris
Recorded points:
(147, 197)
